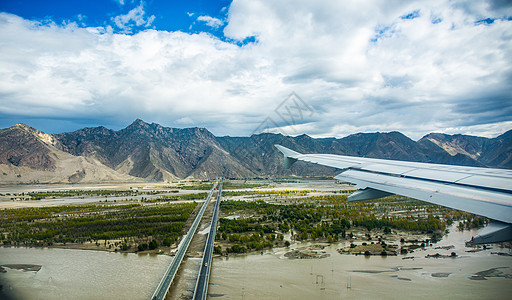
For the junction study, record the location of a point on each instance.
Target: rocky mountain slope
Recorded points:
(153, 152)
(495, 152)
(28, 155)
(148, 152)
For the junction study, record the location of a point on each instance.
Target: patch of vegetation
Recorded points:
(195, 186)
(88, 193)
(229, 185)
(329, 218)
(165, 198)
(300, 193)
(132, 223)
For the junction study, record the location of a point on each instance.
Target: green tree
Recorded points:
(125, 247)
(153, 245)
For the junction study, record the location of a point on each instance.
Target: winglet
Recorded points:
(290, 156)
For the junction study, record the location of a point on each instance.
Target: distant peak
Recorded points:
(395, 132)
(25, 127)
(139, 122)
(435, 133)
(44, 137)
(197, 131)
(505, 135)
(22, 126)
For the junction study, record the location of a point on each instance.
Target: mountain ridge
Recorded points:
(143, 151)
(28, 155)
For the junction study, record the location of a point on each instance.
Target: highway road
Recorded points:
(204, 273)
(165, 283)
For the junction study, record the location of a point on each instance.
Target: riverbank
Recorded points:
(23, 267)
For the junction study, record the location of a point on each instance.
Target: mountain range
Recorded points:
(151, 152)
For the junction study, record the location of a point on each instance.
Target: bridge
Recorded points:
(165, 283)
(204, 272)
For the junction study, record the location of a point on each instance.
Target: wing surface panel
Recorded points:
(497, 206)
(498, 179)
(482, 191)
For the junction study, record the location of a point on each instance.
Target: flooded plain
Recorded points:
(86, 274)
(271, 275)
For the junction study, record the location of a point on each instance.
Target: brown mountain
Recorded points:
(148, 152)
(494, 152)
(24, 146)
(28, 155)
(154, 152)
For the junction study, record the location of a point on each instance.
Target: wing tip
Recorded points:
(290, 156)
(287, 152)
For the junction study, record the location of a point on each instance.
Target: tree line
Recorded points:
(135, 224)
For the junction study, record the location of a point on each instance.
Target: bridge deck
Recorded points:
(204, 273)
(165, 283)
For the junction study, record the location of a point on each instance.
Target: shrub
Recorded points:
(153, 245)
(125, 247)
(142, 247)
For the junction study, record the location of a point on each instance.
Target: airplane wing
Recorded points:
(482, 191)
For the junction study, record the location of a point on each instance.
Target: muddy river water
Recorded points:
(273, 276)
(80, 274)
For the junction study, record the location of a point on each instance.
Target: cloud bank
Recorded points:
(416, 67)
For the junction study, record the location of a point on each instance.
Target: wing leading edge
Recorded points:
(482, 191)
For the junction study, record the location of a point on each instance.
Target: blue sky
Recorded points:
(169, 15)
(411, 66)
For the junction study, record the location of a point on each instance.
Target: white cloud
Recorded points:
(418, 76)
(361, 68)
(487, 130)
(134, 18)
(210, 21)
(185, 121)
